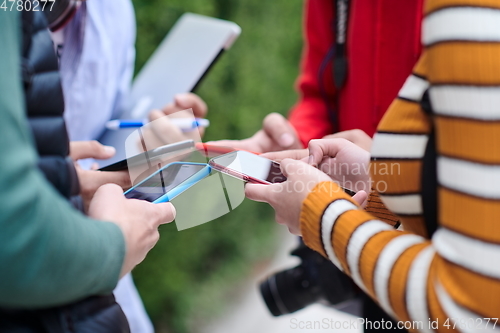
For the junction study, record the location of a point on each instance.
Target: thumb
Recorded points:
(290, 167)
(161, 128)
(325, 147)
(105, 194)
(192, 101)
(90, 149)
(166, 212)
(279, 129)
(360, 197)
(259, 192)
(120, 178)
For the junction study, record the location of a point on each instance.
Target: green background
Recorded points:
(191, 276)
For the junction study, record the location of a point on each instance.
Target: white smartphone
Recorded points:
(249, 167)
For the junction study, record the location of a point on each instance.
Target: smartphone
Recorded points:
(211, 150)
(249, 167)
(152, 156)
(168, 182)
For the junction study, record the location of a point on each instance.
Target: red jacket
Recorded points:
(383, 44)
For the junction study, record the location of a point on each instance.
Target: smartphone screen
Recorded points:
(251, 165)
(163, 181)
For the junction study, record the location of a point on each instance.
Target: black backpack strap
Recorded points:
(337, 57)
(429, 181)
(340, 64)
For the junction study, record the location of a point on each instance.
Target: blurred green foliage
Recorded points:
(186, 277)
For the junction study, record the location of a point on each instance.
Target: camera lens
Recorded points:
(289, 291)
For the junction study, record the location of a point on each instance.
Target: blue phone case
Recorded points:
(182, 186)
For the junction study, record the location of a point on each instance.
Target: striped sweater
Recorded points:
(452, 279)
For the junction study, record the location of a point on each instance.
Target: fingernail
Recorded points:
(174, 212)
(311, 160)
(180, 99)
(109, 150)
(286, 140)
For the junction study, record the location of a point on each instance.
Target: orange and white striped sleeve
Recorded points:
(454, 279)
(376, 207)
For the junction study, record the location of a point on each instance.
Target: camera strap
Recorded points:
(339, 67)
(60, 12)
(337, 55)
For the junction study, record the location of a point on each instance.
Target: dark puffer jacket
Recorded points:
(45, 104)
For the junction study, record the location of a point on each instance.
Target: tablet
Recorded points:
(178, 65)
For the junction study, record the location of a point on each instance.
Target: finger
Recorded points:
(294, 230)
(170, 108)
(291, 167)
(105, 196)
(356, 136)
(191, 101)
(260, 193)
(120, 178)
(147, 139)
(360, 197)
(348, 135)
(279, 129)
(326, 147)
(236, 144)
(155, 114)
(295, 154)
(307, 160)
(173, 111)
(108, 192)
(166, 212)
(160, 130)
(195, 133)
(90, 149)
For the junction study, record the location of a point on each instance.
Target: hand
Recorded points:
(276, 134)
(345, 162)
(356, 136)
(286, 198)
(161, 131)
(91, 180)
(138, 220)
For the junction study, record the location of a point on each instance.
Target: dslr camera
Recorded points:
(316, 279)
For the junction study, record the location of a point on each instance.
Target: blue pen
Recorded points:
(184, 124)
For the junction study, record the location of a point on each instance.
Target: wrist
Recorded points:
(312, 211)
